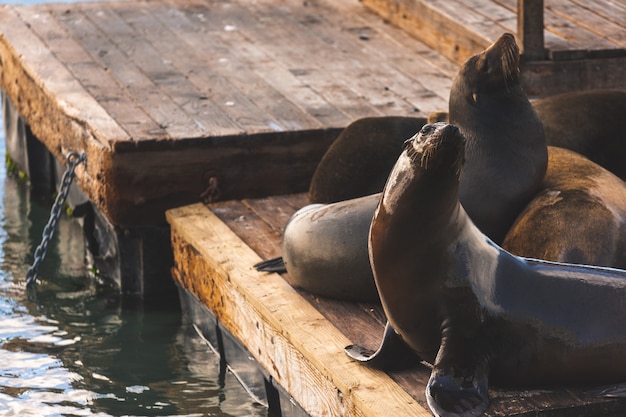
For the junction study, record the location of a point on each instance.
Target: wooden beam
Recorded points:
(530, 29)
(297, 346)
(545, 78)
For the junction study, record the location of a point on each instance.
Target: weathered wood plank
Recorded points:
(94, 77)
(553, 77)
(607, 9)
(431, 26)
(206, 68)
(130, 75)
(298, 67)
(286, 335)
(362, 40)
(239, 62)
(30, 70)
(585, 17)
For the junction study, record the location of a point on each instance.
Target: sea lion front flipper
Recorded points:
(451, 395)
(392, 354)
(272, 265)
(458, 382)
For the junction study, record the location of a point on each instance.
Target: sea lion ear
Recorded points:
(450, 395)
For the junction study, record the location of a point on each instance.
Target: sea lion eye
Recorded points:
(426, 129)
(475, 97)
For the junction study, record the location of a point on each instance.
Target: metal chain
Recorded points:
(73, 160)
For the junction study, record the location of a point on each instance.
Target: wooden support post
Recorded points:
(530, 29)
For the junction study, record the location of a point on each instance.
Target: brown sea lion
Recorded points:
(578, 215)
(472, 309)
(359, 160)
(592, 123)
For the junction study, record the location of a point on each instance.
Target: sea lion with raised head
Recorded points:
(473, 310)
(506, 154)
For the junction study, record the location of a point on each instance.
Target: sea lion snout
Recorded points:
(437, 144)
(500, 59)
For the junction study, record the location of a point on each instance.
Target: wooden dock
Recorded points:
(176, 100)
(179, 101)
(297, 339)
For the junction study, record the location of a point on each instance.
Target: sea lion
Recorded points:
(325, 249)
(592, 123)
(358, 162)
(578, 215)
(472, 309)
(506, 154)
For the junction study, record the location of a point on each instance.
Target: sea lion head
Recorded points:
(494, 69)
(437, 145)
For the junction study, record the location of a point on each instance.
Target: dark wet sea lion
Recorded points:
(474, 310)
(358, 162)
(578, 215)
(506, 152)
(592, 123)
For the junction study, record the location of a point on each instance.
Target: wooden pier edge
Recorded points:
(289, 338)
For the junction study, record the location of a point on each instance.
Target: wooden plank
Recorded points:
(607, 9)
(585, 17)
(404, 51)
(326, 80)
(241, 74)
(553, 77)
(162, 68)
(432, 26)
(206, 68)
(551, 40)
(94, 77)
(30, 70)
(241, 64)
(530, 29)
(286, 335)
(156, 100)
(359, 41)
(579, 38)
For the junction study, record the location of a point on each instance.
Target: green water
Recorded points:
(75, 347)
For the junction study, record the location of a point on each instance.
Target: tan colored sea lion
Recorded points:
(578, 215)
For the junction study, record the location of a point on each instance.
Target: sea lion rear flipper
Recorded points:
(451, 395)
(392, 354)
(272, 265)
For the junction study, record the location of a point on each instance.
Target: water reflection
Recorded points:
(75, 347)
